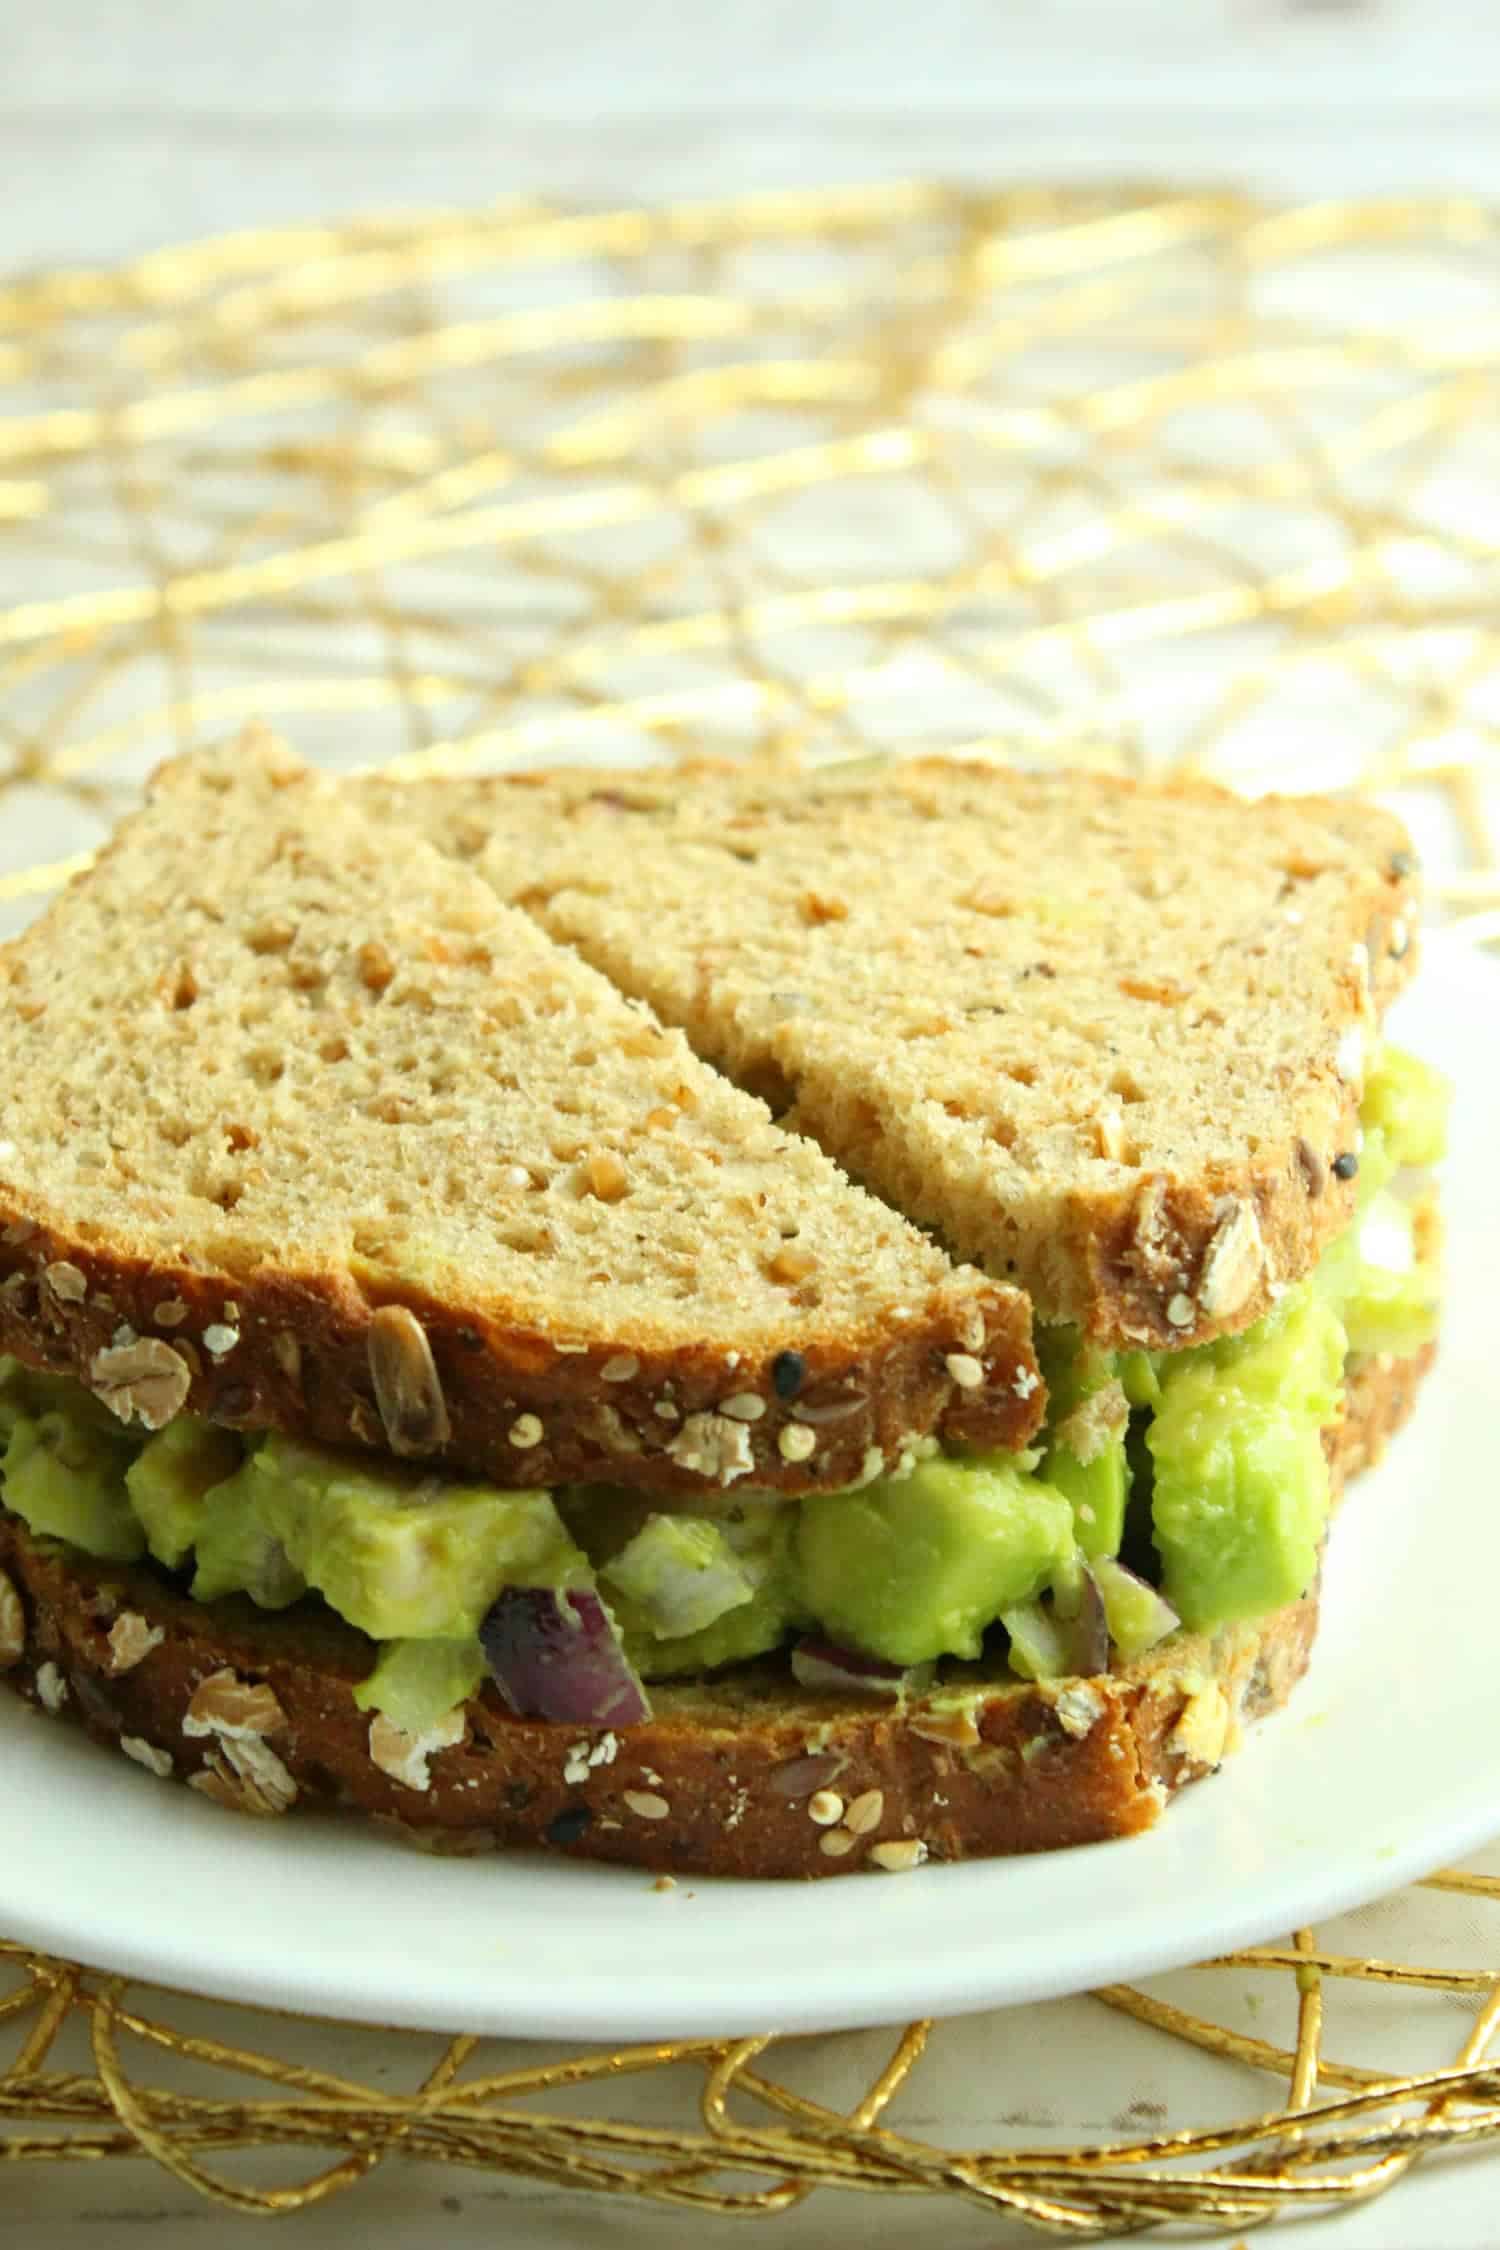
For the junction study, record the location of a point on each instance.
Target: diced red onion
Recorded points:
(821, 1664)
(554, 1654)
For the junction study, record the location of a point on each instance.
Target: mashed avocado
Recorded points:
(1222, 1443)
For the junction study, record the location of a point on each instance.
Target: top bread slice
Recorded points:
(300, 1127)
(1105, 1039)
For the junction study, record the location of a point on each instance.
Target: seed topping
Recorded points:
(866, 1812)
(66, 1281)
(131, 1640)
(899, 1857)
(233, 1709)
(148, 1755)
(646, 1805)
(711, 1445)
(407, 1390)
(142, 1380)
(1314, 1170)
(405, 1757)
(1233, 1263)
(743, 1407)
(787, 1371)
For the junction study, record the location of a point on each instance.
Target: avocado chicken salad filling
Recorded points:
(1182, 1489)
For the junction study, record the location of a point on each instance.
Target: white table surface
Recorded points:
(201, 117)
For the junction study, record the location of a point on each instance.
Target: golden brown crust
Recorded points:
(301, 1363)
(722, 1780)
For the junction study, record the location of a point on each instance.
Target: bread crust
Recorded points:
(722, 1780)
(301, 1363)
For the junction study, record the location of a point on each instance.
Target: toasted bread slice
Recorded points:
(722, 1778)
(1104, 1039)
(301, 1128)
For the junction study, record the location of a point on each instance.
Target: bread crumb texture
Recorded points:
(1108, 1040)
(383, 1163)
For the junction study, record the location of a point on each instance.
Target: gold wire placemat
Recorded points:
(1134, 478)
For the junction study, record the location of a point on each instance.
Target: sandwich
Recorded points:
(771, 1326)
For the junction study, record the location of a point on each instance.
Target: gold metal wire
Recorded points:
(1138, 478)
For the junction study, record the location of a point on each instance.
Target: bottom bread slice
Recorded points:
(742, 1774)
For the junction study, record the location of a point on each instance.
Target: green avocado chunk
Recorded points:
(65, 1479)
(397, 1553)
(63, 1458)
(1241, 1491)
(915, 1567)
(1387, 1292)
(416, 1683)
(169, 1477)
(236, 1550)
(1085, 1456)
(1406, 1102)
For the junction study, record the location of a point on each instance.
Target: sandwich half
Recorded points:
(435, 1388)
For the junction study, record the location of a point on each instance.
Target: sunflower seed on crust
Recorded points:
(1233, 1263)
(899, 1856)
(407, 1390)
(865, 1812)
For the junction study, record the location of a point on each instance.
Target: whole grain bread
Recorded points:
(1106, 1039)
(743, 1774)
(301, 1127)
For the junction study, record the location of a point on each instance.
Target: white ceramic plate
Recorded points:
(1386, 1764)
